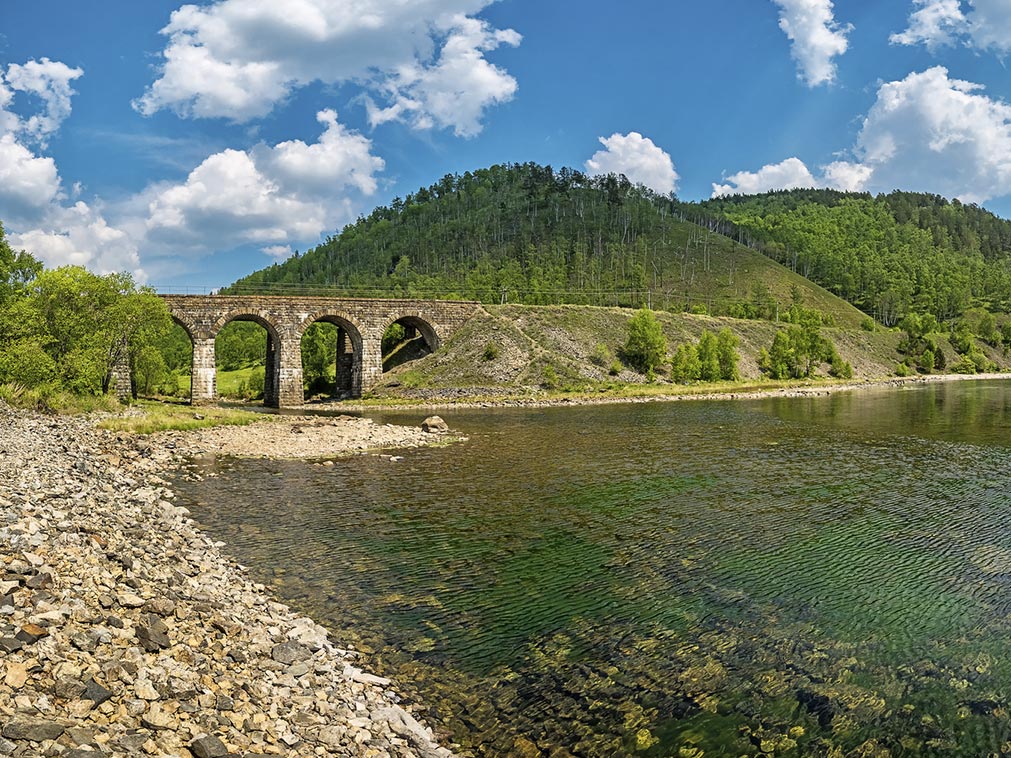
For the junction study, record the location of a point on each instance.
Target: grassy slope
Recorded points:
(529, 338)
(734, 270)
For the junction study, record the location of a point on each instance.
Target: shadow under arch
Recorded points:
(272, 359)
(349, 352)
(420, 338)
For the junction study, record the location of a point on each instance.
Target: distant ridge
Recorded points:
(527, 233)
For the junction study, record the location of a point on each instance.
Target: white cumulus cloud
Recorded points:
(927, 132)
(638, 158)
(270, 196)
(789, 174)
(457, 88)
(79, 235)
(816, 37)
(424, 60)
(33, 204)
(29, 183)
(934, 23)
(933, 133)
(50, 82)
(980, 24)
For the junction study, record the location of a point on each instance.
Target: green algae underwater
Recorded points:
(818, 576)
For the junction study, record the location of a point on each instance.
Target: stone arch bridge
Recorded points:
(360, 323)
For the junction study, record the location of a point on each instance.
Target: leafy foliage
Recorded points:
(646, 348)
(67, 327)
(888, 255)
(713, 358)
(797, 352)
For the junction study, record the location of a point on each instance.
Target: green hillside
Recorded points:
(888, 255)
(528, 234)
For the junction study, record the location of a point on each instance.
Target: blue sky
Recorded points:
(192, 144)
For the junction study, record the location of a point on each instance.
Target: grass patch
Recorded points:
(148, 416)
(50, 399)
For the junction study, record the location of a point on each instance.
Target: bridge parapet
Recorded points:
(361, 323)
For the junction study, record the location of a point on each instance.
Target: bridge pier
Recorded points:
(371, 365)
(202, 379)
(290, 390)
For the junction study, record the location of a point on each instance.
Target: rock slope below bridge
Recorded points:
(124, 630)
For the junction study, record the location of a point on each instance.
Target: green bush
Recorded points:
(840, 369)
(867, 324)
(685, 365)
(646, 347)
(26, 362)
(601, 356)
(491, 351)
(964, 365)
(549, 378)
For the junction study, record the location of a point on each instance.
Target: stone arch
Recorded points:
(272, 368)
(189, 328)
(420, 322)
(350, 349)
(416, 324)
(259, 317)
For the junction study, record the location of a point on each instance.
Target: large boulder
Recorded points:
(434, 424)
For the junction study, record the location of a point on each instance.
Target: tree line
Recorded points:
(64, 330)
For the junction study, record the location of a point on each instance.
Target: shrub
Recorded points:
(549, 377)
(726, 350)
(25, 362)
(491, 351)
(709, 358)
(840, 369)
(867, 324)
(963, 365)
(601, 355)
(646, 347)
(685, 366)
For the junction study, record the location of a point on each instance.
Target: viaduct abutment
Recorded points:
(361, 324)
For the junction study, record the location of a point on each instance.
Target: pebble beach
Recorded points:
(126, 631)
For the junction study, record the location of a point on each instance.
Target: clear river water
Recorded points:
(823, 576)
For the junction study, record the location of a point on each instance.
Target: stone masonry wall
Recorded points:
(287, 318)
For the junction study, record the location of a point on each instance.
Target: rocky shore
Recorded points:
(125, 631)
(303, 437)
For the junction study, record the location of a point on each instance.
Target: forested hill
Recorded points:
(527, 233)
(887, 255)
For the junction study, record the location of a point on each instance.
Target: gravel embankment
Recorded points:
(124, 631)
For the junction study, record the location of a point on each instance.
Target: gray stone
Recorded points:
(80, 736)
(31, 633)
(96, 693)
(160, 605)
(69, 689)
(10, 644)
(290, 652)
(153, 636)
(434, 424)
(36, 731)
(208, 746)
